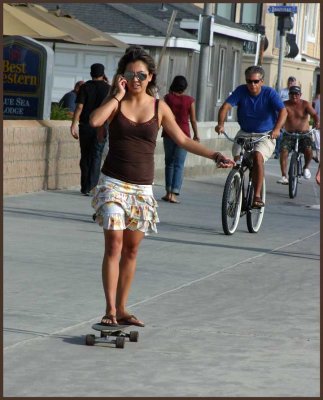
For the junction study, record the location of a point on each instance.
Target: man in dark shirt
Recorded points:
(90, 97)
(68, 100)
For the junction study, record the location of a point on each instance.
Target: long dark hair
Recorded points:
(133, 54)
(179, 84)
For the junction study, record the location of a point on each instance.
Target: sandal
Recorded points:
(130, 320)
(109, 317)
(165, 198)
(258, 203)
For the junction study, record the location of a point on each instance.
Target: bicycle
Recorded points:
(295, 170)
(237, 196)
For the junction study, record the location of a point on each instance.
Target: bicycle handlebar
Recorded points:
(298, 135)
(258, 139)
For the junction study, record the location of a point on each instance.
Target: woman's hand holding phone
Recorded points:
(122, 85)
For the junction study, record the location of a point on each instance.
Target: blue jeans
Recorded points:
(174, 165)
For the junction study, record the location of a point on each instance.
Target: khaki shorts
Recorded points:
(266, 146)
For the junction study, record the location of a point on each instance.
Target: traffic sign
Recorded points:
(291, 9)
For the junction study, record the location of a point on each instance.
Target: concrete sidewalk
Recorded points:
(225, 315)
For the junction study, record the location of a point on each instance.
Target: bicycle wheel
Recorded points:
(231, 202)
(293, 176)
(300, 171)
(255, 215)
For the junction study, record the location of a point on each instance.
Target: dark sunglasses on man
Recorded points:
(255, 81)
(129, 75)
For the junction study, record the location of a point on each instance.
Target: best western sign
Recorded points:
(27, 78)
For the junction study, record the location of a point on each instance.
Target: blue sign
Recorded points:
(20, 106)
(26, 79)
(21, 69)
(290, 9)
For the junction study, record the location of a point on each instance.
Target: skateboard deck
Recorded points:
(112, 334)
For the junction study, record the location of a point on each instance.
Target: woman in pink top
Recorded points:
(183, 108)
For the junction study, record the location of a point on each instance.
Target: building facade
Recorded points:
(241, 34)
(302, 48)
(147, 24)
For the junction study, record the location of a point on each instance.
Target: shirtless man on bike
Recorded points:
(298, 112)
(260, 111)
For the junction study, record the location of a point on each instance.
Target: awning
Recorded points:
(17, 22)
(37, 22)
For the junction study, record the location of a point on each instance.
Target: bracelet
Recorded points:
(114, 97)
(216, 156)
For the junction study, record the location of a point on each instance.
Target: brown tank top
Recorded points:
(131, 149)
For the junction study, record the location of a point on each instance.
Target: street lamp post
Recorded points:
(285, 23)
(280, 61)
(204, 40)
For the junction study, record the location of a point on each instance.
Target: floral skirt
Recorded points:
(119, 205)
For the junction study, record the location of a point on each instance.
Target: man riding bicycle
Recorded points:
(298, 111)
(260, 111)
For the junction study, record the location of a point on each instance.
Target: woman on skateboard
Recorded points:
(123, 201)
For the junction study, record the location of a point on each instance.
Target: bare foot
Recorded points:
(167, 197)
(109, 320)
(173, 199)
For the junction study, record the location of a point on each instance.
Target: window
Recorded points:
(304, 34)
(225, 10)
(220, 81)
(234, 77)
(309, 31)
(298, 24)
(170, 71)
(211, 67)
(250, 13)
(311, 14)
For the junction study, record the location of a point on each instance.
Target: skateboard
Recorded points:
(110, 334)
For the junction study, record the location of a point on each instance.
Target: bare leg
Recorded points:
(257, 173)
(283, 161)
(110, 270)
(128, 262)
(318, 175)
(308, 154)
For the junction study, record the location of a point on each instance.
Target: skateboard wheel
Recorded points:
(133, 336)
(90, 340)
(120, 341)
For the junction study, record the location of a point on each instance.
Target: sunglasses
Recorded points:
(256, 81)
(294, 94)
(129, 75)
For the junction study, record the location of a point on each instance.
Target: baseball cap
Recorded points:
(97, 70)
(295, 89)
(291, 79)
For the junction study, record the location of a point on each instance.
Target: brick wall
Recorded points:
(41, 155)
